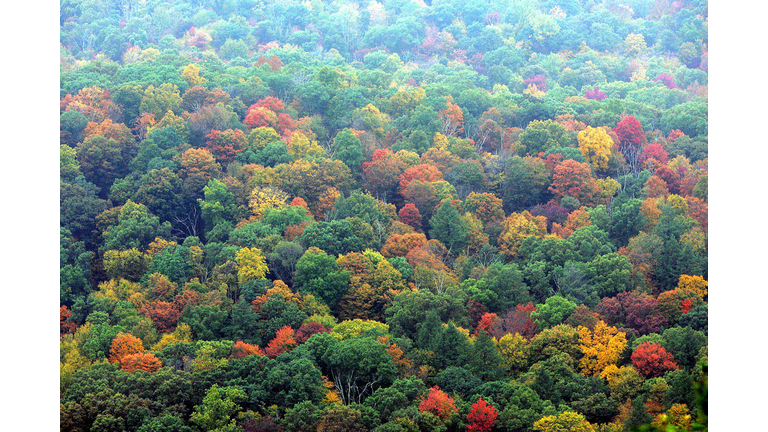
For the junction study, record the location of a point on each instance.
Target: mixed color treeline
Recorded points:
(383, 216)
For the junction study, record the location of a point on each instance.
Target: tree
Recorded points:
(652, 360)
(448, 227)
(105, 159)
(146, 362)
(595, 145)
(553, 312)
(225, 145)
(631, 141)
(601, 347)
(438, 403)
(251, 265)
(283, 342)
(381, 175)
(573, 179)
(525, 183)
(340, 418)
(482, 417)
(160, 100)
(517, 227)
(218, 407)
(318, 273)
(135, 227)
(567, 421)
(409, 214)
(540, 136)
(124, 344)
(358, 367)
(485, 361)
(348, 149)
(218, 205)
(486, 206)
(694, 283)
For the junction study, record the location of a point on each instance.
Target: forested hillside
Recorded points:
(450, 215)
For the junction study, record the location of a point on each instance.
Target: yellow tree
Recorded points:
(696, 284)
(595, 145)
(513, 349)
(567, 421)
(302, 147)
(263, 198)
(517, 227)
(251, 264)
(191, 74)
(634, 44)
(601, 347)
(678, 415)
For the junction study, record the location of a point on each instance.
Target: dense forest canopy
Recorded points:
(480, 215)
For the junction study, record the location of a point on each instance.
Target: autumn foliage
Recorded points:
(124, 344)
(241, 349)
(652, 360)
(438, 403)
(482, 417)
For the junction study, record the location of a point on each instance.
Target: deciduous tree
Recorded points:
(438, 403)
(595, 145)
(482, 417)
(652, 360)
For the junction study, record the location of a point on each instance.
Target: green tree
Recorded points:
(448, 227)
(525, 183)
(348, 149)
(218, 204)
(358, 367)
(554, 311)
(318, 273)
(219, 406)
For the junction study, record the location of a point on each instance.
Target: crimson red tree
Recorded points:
(631, 141)
(482, 417)
(652, 360)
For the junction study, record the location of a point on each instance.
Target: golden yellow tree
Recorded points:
(595, 145)
(251, 264)
(601, 347)
(517, 227)
(696, 284)
(191, 74)
(567, 421)
(263, 198)
(303, 147)
(513, 349)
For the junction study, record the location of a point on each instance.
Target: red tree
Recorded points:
(410, 215)
(572, 178)
(225, 145)
(241, 349)
(423, 172)
(519, 321)
(438, 403)
(631, 140)
(307, 330)
(64, 326)
(382, 173)
(163, 314)
(652, 360)
(654, 151)
(282, 343)
(482, 417)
